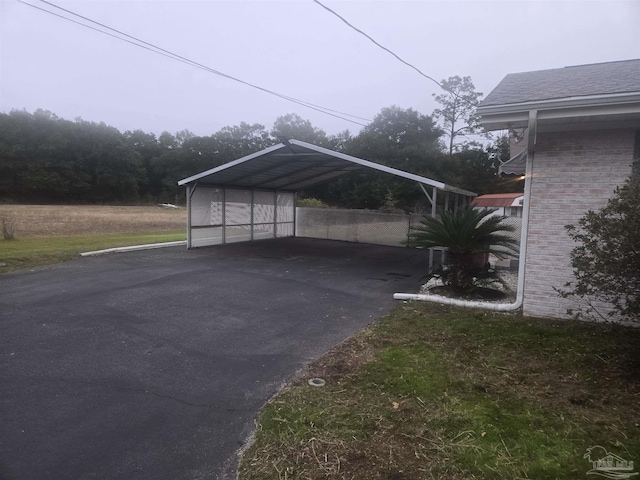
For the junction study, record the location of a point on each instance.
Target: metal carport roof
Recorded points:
(297, 165)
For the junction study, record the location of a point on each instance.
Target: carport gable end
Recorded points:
(253, 197)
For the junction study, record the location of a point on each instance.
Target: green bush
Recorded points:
(310, 203)
(469, 236)
(606, 261)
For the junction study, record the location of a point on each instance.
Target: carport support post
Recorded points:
(188, 216)
(224, 216)
(252, 200)
(446, 208)
(434, 202)
(275, 214)
(295, 213)
(433, 199)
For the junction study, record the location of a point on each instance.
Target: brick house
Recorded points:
(581, 129)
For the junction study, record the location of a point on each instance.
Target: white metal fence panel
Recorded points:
(206, 217)
(285, 214)
(224, 215)
(264, 211)
(516, 223)
(205, 236)
(237, 205)
(237, 233)
(237, 218)
(206, 207)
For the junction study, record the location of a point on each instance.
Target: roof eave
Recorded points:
(354, 162)
(385, 169)
(515, 115)
(225, 166)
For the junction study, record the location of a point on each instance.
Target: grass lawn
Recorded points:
(19, 254)
(437, 392)
(47, 234)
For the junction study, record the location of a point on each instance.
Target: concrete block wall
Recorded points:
(573, 172)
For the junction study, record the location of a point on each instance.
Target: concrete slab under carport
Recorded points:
(153, 364)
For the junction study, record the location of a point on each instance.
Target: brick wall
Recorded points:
(572, 173)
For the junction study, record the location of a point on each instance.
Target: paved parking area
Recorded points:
(154, 364)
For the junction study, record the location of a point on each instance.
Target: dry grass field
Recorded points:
(71, 220)
(48, 234)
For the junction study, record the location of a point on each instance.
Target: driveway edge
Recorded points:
(133, 248)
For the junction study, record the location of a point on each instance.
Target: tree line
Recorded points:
(47, 159)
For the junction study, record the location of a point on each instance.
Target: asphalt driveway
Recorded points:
(154, 364)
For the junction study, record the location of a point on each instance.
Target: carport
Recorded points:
(253, 197)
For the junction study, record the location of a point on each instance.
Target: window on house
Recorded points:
(514, 212)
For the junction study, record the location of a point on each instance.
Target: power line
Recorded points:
(381, 46)
(285, 97)
(188, 61)
(93, 28)
(450, 92)
(161, 51)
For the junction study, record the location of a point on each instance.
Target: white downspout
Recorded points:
(524, 233)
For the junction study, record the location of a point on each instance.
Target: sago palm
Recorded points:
(468, 235)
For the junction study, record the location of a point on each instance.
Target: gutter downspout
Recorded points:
(524, 233)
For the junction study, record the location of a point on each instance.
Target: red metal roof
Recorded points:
(495, 200)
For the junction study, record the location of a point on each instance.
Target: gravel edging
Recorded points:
(509, 277)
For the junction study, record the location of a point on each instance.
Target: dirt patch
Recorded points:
(341, 361)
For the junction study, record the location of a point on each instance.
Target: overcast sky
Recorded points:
(292, 47)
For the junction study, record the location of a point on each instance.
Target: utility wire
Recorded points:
(96, 29)
(175, 56)
(285, 97)
(454, 94)
(379, 45)
(161, 51)
(451, 92)
(303, 103)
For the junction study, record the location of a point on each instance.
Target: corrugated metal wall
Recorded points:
(226, 215)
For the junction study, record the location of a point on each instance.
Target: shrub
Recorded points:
(8, 227)
(310, 203)
(469, 236)
(606, 261)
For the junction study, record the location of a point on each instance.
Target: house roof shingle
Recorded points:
(576, 81)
